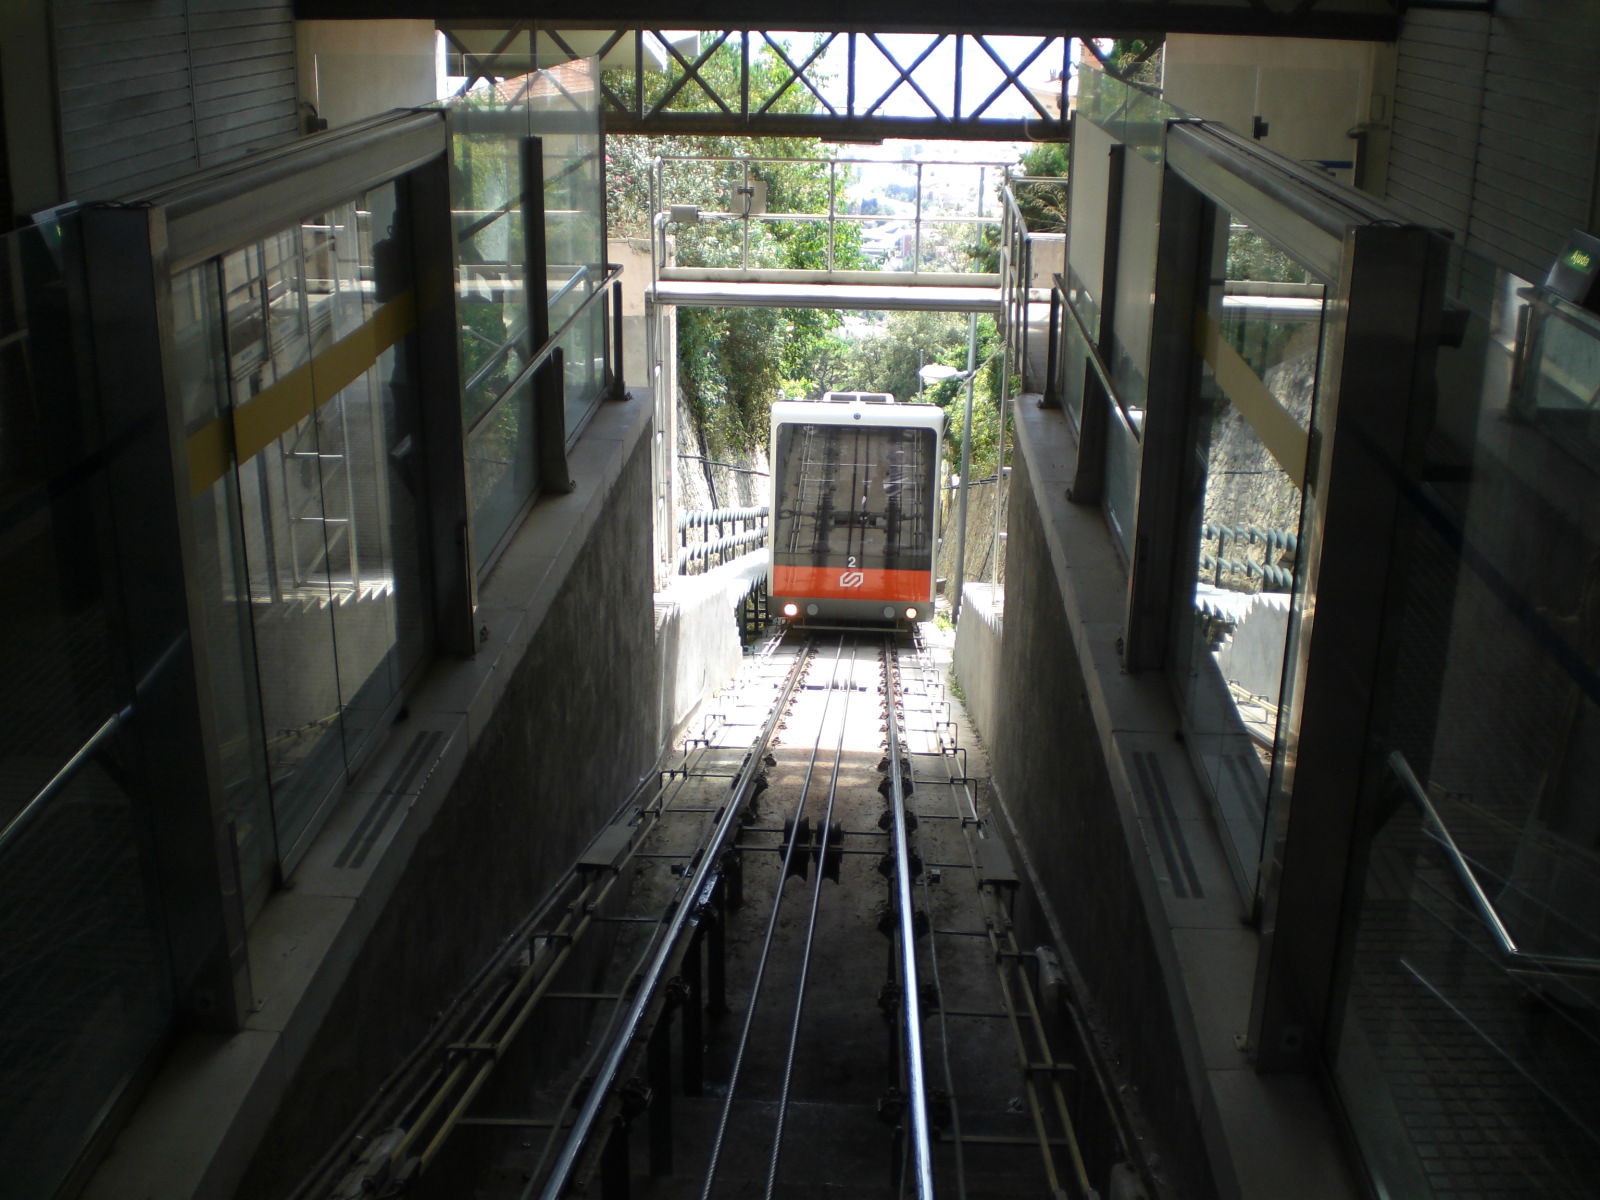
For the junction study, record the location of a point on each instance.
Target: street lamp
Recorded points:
(939, 373)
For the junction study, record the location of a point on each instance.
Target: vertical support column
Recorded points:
(717, 963)
(1173, 376)
(178, 779)
(693, 1021)
(1375, 410)
(619, 386)
(1089, 476)
(1051, 398)
(660, 1074)
(449, 530)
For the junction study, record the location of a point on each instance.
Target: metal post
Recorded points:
(614, 1169)
(1052, 390)
(693, 1028)
(717, 964)
(966, 468)
(660, 1074)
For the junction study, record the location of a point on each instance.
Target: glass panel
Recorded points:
(1463, 1066)
(487, 195)
(85, 991)
(288, 544)
(858, 504)
(1261, 337)
(585, 366)
(566, 116)
(1077, 374)
(222, 594)
(1129, 353)
(1122, 479)
(501, 471)
(377, 581)
(1086, 229)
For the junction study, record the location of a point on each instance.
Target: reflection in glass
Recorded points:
(1464, 1067)
(863, 499)
(329, 496)
(85, 971)
(1261, 335)
(494, 201)
(223, 597)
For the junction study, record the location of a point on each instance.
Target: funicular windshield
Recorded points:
(855, 497)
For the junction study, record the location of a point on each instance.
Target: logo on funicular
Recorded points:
(852, 579)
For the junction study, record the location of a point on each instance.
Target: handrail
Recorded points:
(1102, 372)
(31, 810)
(612, 275)
(865, 162)
(510, 344)
(1490, 916)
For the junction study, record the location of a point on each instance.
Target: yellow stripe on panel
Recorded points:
(209, 455)
(276, 409)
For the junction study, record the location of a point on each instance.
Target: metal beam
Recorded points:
(1371, 20)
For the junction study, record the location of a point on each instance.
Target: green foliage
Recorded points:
(733, 363)
(1044, 205)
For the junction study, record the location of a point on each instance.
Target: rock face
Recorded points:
(1245, 484)
(700, 484)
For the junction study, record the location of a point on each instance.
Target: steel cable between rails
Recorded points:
(810, 940)
(766, 944)
(663, 948)
(604, 1040)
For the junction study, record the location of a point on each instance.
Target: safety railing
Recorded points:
(1513, 956)
(710, 538)
(911, 250)
(43, 798)
(1017, 269)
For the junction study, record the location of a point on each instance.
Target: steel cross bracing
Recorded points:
(831, 85)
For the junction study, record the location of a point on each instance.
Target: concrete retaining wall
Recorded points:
(1051, 773)
(977, 654)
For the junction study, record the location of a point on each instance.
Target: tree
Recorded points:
(735, 362)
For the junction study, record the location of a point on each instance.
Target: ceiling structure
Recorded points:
(844, 70)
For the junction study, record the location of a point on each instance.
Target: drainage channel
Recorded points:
(786, 969)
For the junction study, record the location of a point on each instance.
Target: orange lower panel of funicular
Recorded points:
(850, 583)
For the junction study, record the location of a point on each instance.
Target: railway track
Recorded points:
(787, 969)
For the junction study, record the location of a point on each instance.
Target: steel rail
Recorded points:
(957, 1141)
(602, 1040)
(514, 1010)
(911, 1024)
(766, 944)
(601, 1087)
(1008, 952)
(810, 940)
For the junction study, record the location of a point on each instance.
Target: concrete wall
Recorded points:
(566, 743)
(1310, 93)
(977, 652)
(355, 69)
(1051, 774)
(32, 167)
